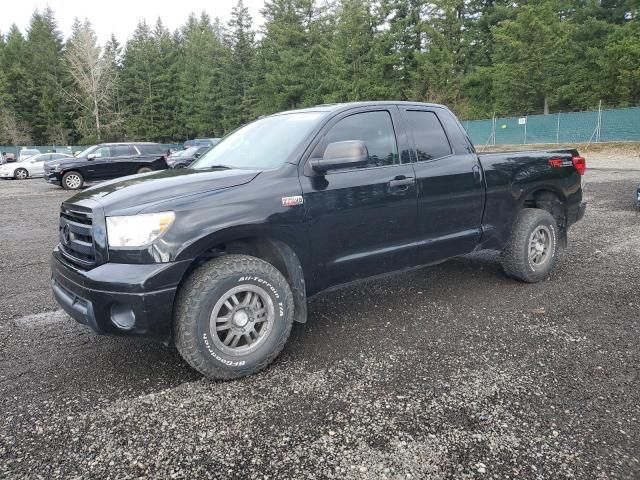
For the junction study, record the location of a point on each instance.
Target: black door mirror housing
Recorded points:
(346, 154)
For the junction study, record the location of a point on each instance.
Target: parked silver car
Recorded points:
(27, 153)
(31, 167)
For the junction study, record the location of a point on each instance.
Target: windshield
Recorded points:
(86, 151)
(263, 144)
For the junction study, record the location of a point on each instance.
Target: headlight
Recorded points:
(55, 167)
(137, 230)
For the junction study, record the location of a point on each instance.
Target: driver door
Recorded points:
(362, 219)
(101, 167)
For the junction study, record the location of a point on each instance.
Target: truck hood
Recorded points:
(139, 191)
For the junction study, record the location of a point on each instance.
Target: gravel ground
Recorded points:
(453, 371)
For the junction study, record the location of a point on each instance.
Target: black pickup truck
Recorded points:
(220, 257)
(106, 161)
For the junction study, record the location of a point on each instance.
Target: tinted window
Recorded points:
(121, 151)
(102, 152)
(428, 135)
(152, 149)
(374, 129)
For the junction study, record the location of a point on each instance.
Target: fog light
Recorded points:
(122, 316)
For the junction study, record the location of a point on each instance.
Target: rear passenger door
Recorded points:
(362, 219)
(450, 185)
(124, 160)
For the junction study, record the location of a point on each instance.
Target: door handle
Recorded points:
(477, 176)
(402, 181)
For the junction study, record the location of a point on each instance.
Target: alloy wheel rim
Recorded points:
(242, 319)
(539, 245)
(21, 174)
(73, 181)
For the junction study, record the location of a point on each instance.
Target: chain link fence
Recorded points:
(611, 125)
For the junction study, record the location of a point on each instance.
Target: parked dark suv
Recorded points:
(104, 162)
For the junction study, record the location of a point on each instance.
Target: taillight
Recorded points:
(580, 164)
(555, 162)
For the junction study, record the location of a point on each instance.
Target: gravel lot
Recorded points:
(449, 372)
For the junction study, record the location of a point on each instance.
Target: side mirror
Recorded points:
(350, 153)
(91, 156)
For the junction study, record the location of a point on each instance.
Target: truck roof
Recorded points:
(334, 107)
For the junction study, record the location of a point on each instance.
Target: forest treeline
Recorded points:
(479, 57)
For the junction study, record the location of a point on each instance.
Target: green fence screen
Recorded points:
(619, 125)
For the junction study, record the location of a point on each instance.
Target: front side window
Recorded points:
(429, 137)
(375, 129)
(102, 152)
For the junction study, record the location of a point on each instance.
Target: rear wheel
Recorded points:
(233, 316)
(533, 248)
(144, 170)
(21, 174)
(72, 180)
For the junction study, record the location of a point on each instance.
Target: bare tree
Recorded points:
(94, 77)
(13, 129)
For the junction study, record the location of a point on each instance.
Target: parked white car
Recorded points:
(27, 153)
(31, 167)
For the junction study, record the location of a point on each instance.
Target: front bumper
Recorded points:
(116, 298)
(6, 174)
(53, 177)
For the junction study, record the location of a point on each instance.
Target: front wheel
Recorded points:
(21, 174)
(233, 316)
(144, 170)
(72, 181)
(532, 250)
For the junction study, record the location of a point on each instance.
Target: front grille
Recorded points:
(76, 235)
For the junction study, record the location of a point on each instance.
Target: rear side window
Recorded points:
(375, 129)
(429, 137)
(121, 151)
(152, 149)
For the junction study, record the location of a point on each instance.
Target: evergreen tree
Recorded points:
(352, 55)
(199, 78)
(293, 55)
(47, 108)
(16, 75)
(531, 60)
(240, 70)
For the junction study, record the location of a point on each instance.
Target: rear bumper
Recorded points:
(119, 299)
(575, 212)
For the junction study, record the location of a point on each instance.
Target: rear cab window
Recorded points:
(429, 137)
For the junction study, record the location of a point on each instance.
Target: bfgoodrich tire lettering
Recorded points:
(533, 249)
(233, 316)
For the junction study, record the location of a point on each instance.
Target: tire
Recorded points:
(21, 174)
(533, 249)
(144, 170)
(202, 301)
(72, 180)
